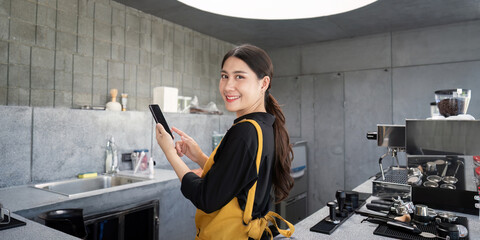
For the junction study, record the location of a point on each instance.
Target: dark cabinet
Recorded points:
(136, 223)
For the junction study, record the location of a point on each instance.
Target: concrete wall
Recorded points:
(334, 92)
(47, 144)
(69, 53)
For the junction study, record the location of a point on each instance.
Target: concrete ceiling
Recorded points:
(381, 16)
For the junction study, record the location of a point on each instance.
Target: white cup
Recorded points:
(4, 215)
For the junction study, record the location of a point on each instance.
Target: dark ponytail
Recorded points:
(259, 61)
(282, 179)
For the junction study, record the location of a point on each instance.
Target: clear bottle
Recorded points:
(111, 159)
(108, 157)
(114, 168)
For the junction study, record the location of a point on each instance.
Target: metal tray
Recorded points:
(395, 184)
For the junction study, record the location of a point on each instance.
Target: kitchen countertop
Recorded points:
(352, 228)
(21, 199)
(32, 197)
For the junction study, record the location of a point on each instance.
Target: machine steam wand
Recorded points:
(393, 152)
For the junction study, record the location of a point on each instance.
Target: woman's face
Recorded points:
(241, 90)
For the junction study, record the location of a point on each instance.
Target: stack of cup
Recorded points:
(140, 160)
(476, 172)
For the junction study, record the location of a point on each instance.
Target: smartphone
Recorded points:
(159, 118)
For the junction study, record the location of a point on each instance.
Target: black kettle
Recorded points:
(69, 221)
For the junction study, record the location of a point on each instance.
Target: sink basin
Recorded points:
(80, 186)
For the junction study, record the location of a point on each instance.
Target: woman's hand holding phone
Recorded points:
(164, 139)
(188, 147)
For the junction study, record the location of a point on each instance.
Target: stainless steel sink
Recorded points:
(79, 186)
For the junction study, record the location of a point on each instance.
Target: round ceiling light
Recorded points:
(276, 9)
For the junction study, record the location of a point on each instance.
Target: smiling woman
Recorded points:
(277, 9)
(232, 189)
(254, 85)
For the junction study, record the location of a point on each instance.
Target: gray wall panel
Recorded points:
(15, 139)
(450, 43)
(327, 169)
(367, 102)
(67, 143)
(307, 93)
(285, 91)
(414, 88)
(286, 61)
(347, 54)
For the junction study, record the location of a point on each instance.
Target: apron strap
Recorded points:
(270, 217)
(258, 226)
(285, 232)
(247, 215)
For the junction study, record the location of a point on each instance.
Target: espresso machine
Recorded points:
(391, 182)
(440, 166)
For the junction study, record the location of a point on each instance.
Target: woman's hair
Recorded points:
(259, 61)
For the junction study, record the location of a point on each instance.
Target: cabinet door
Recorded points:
(136, 223)
(140, 224)
(103, 229)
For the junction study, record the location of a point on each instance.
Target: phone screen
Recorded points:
(159, 118)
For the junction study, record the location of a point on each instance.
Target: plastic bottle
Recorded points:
(111, 159)
(124, 102)
(150, 168)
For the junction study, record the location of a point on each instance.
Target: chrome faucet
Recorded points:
(111, 160)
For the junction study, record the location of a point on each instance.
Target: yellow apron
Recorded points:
(230, 222)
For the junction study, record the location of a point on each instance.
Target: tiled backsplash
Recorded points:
(46, 144)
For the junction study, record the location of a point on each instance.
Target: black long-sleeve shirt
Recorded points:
(234, 170)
